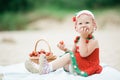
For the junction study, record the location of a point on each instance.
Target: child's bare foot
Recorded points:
(43, 65)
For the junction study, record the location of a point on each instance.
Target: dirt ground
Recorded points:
(16, 45)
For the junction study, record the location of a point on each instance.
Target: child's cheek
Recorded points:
(89, 26)
(79, 29)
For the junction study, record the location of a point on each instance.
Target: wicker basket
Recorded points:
(49, 58)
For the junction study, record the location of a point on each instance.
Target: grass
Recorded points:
(49, 11)
(101, 11)
(12, 21)
(18, 21)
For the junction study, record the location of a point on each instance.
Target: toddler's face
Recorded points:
(85, 22)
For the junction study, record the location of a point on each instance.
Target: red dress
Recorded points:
(89, 64)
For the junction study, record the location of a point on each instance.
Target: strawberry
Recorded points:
(61, 42)
(48, 53)
(35, 54)
(30, 54)
(39, 52)
(42, 51)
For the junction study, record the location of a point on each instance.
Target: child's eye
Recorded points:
(80, 23)
(87, 22)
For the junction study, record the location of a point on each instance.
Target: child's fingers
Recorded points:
(84, 29)
(87, 29)
(81, 29)
(60, 46)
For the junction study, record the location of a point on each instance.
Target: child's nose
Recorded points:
(83, 25)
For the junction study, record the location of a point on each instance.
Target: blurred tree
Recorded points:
(24, 5)
(15, 5)
(80, 4)
(11, 8)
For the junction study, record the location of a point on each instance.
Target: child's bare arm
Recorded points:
(87, 48)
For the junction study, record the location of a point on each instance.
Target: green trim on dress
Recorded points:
(75, 66)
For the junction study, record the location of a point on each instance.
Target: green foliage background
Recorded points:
(14, 14)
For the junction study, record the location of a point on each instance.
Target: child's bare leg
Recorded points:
(61, 62)
(66, 67)
(45, 67)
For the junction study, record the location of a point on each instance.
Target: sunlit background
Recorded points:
(23, 22)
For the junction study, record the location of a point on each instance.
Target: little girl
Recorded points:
(84, 58)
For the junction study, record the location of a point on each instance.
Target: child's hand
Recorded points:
(61, 46)
(84, 31)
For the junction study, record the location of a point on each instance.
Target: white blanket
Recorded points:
(18, 72)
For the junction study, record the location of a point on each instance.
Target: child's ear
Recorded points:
(76, 26)
(94, 24)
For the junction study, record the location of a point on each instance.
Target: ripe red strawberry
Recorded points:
(48, 53)
(35, 54)
(61, 42)
(42, 51)
(39, 52)
(30, 54)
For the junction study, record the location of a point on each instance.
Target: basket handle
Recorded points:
(43, 41)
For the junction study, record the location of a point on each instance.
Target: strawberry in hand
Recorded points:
(61, 42)
(61, 46)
